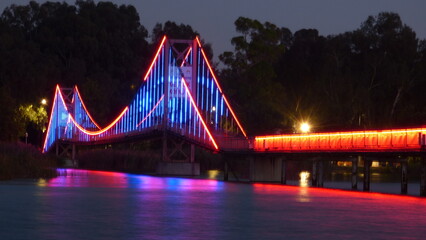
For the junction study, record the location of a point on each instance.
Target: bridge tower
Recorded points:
(178, 154)
(180, 102)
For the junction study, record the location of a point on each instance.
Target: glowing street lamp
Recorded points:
(43, 101)
(305, 127)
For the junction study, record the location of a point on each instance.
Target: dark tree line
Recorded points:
(101, 47)
(371, 77)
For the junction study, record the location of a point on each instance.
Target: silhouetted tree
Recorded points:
(181, 31)
(371, 77)
(250, 76)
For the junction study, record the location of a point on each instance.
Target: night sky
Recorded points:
(214, 20)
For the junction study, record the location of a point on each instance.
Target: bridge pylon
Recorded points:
(180, 100)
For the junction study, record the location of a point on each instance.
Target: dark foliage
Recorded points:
(24, 161)
(372, 77)
(100, 47)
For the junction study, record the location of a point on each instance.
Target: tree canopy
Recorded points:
(102, 47)
(371, 77)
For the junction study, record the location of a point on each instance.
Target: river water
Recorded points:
(103, 205)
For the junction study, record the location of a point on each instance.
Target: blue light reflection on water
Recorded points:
(105, 205)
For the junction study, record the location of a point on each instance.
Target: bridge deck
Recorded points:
(392, 140)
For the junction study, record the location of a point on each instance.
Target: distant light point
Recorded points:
(305, 127)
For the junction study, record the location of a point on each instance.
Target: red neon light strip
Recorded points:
(389, 131)
(85, 109)
(186, 57)
(356, 140)
(155, 58)
(50, 119)
(152, 110)
(94, 133)
(220, 89)
(62, 99)
(198, 113)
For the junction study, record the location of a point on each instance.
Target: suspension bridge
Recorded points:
(181, 101)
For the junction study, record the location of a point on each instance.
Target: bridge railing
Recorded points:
(231, 143)
(384, 140)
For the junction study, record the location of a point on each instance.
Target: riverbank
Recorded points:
(19, 160)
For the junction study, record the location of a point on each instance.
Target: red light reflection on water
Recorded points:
(345, 214)
(318, 192)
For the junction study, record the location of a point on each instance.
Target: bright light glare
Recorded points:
(305, 127)
(43, 101)
(304, 177)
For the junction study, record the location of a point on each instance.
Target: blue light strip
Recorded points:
(216, 109)
(181, 114)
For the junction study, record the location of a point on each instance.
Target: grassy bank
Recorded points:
(18, 160)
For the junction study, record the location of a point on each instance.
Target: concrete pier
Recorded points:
(355, 172)
(178, 168)
(423, 177)
(320, 173)
(265, 169)
(283, 171)
(225, 170)
(367, 171)
(404, 181)
(314, 178)
(317, 173)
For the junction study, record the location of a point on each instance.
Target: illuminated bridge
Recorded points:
(180, 95)
(182, 102)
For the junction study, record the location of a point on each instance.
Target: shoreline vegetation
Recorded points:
(19, 160)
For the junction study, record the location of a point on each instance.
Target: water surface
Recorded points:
(104, 205)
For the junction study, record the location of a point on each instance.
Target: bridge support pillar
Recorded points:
(178, 168)
(404, 182)
(283, 171)
(355, 172)
(192, 153)
(314, 173)
(67, 151)
(423, 177)
(367, 170)
(251, 169)
(266, 169)
(225, 170)
(177, 158)
(73, 152)
(164, 154)
(320, 173)
(317, 173)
